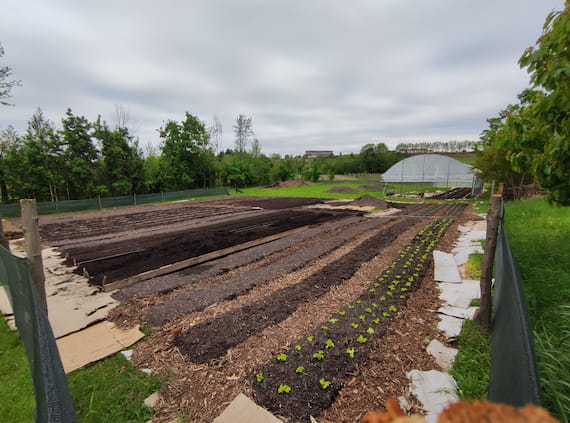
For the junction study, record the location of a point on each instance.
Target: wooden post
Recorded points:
(3, 240)
(100, 203)
(483, 318)
(31, 230)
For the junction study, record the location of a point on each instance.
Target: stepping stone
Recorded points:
(445, 267)
(434, 389)
(444, 356)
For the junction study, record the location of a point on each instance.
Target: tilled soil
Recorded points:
(277, 310)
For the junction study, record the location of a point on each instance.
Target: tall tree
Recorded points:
(548, 63)
(80, 155)
(6, 84)
(243, 130)
(186, 154)
(10, 142)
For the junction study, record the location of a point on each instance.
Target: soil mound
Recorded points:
(288, 184)
(341, 189)
(368, 200)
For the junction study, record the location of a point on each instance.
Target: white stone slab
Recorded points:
(445, 267)
(5, 305)
(434, 389)
(451, 326)
(444, 356)
(459, 312)
(244, 410)
(459, 294)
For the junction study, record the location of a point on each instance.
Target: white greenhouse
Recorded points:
(435, 168)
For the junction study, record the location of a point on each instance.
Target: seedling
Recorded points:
(350, 352)
(299, 369)
(362, 317)
(333, 320)
(260, 377)
(361, 339)
(298, 347)
(354, 325)
(393, 308)
(324, 383)
(377, 320)
(319, 355)
(282, 357)
(342, 313)
(370, 331)
(283, 389)
(310, 338)
(329, 343)
(368, 310)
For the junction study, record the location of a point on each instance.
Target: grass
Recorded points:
(17, 392)
(538, 234)
(320, 191)
(111, 390)
(473, 266)
(471, 366)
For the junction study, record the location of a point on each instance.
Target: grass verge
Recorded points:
(112, 390)
(471, 366)
(473, 266)
(538, 234)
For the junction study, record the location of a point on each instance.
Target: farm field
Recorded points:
(223, 326)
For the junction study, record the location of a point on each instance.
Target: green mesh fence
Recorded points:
(513, 376)
(53, 400)
(49, 207)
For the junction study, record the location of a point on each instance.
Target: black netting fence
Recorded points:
(53, 400)
(513, 376)
(49, 207)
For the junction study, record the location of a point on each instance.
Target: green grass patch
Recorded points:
(472, 364)
(473, 266)
(17, 402)
(538, 234)
(112, 390)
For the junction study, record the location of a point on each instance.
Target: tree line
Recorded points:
(83, 159)
(438, 147)
(529, 141)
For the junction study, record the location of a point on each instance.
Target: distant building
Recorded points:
(313, 154)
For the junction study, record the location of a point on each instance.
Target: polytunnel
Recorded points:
(435, 168)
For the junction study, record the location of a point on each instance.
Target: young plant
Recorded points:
(310, 338)
(324, 383)
(350, 352)
(329, 344)
(283, 389)
(260, 377)
(282, 357)
(298, 347)
(319, 355)
(299, 369)
(361, 339)
(354, 325)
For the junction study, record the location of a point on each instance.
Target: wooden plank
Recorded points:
(174, 267)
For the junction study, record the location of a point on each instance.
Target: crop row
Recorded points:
(305, 379)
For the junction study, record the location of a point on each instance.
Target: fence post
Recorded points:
(484, 316)
(31, 231)
(99, 200)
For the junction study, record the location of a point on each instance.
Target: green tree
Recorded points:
(6, 84)
(80, 155)
(10, 142)
(122, 164)
(548, 63)
(188, 160)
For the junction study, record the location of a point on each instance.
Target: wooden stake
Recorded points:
(31, 230)
(483, 318)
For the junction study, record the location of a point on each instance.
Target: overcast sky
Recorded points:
(313, 75)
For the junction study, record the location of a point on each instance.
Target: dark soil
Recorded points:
(368, 200)
(212, 339)
(371, 314)
(341, 190)
(118, 260)
(453, 194)
(199, 299)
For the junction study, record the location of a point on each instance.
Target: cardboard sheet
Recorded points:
(459, 294)
(445, 268)
(444, 356)
(5, 305)
(244, 410)
(94, 343)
